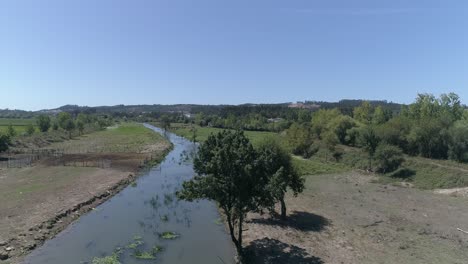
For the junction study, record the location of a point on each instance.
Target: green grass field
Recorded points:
(312, 166)
(126, 137)
(203, 132)
(19, 124)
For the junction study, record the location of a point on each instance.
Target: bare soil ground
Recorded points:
(38, 202)
(347, 218)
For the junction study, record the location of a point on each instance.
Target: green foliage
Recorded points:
(388, 158)
(458, 141)
(43, 122)
(330, 141)
(30, 129)
(11, 132)
(369, 141)
(363, 113)
(65, 121)
(300, 139)
(340, 125)
(165, 122)
(280, 174)
(193, 131)
(227, 174)
(428, 137)
(5, 142)
(80, 125)
(380, 115)
(395, 132)
(113, 259)
(168, 235)
(144, 255)
(321, 120)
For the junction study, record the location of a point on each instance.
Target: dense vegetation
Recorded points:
(430, 127)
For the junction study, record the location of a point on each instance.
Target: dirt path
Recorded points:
(345, 218)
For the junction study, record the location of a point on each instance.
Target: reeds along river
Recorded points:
(139, 222)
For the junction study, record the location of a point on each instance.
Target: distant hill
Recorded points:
(345, 106)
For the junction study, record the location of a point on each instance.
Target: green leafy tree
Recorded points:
(228, 174)
(363, 113)
(11, 132)
(80, 125)
(65, 121)
(321, 120)
(43, 122)
(429, 137)
(30, 129)
(300, 139)
(330, 141)
(388, 158)
(55, 125)
(280, 173)
(369, 141)
(4, 142)
(165, 122)
(340, 126)
(380, 115)
(84, 118)
(458, 143)
(193, 131)
(395, 131)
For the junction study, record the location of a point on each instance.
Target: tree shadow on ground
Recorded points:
(403, 173)
(302, 221)
(266, 251)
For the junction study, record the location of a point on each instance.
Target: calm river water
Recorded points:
(146, 210)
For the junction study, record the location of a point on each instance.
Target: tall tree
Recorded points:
(363, 113)
(165, 122)
(300, 139)
(66, 122)
(280, 173)
(369, 141)
(4, 142)
(228, 174)
(11, 131)
(43, 122)
(30, 129)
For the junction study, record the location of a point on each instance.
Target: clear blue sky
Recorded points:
(106, 52)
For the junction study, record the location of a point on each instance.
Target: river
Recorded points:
(142, 213)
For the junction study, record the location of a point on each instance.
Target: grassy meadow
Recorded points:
(19, 124)
(203, 133)
(126, 137)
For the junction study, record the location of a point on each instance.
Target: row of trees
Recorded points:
(63, 120)
(241, 179)
(430, 127)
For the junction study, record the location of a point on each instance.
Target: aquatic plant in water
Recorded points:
(136, 243)
(144, 255)
(113, 259)
(168, 235)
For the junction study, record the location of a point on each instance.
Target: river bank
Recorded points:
(135, 223)
(40, 201)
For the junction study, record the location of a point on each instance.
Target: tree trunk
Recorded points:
(283, 208)
(239, 238)
(231, 229)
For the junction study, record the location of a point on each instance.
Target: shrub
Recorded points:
(388, 158)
